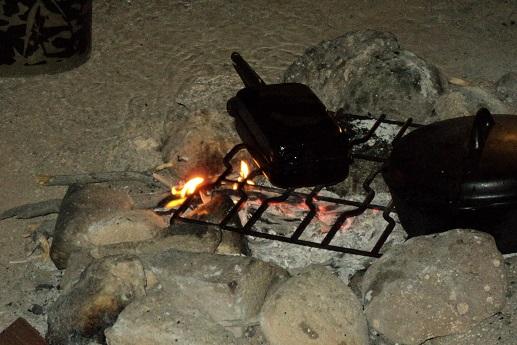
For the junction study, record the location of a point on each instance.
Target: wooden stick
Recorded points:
(165, 180)
(33, 210)
(44, 230)
(110, 176)
(164, 166)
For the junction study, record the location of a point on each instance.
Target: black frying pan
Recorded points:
(288, 131)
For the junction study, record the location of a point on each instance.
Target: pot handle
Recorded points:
(249, 77)
(483, 122)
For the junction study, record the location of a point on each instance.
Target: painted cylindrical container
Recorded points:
(44, 36)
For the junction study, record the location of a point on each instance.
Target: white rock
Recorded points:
(407, 308)
(229, 289)
(500, 329)
(314, 307)
(160, 319)
(125, 226)
(466, 101)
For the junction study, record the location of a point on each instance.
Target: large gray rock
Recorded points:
(314, 307)
(434, 286)
(145, 193)
(229, 289)
(201, 132)
(181, 236)
(94, 216)
(506, 87)
(106, 287)
(82, 204)
(353, 184)
(125, 226)
(467, 101)
(197, 143)
(368, 72)
(166, 318)
(500, 329)
(77, 263)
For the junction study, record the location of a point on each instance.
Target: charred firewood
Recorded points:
(32, 210)
(66, 180)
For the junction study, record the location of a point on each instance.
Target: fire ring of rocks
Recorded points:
(133, 277)
(150, 284)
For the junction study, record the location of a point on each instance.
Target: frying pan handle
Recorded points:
(249, 77)
(483, 122)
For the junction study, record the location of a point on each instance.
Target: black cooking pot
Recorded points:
(458, 173)
(288, 131)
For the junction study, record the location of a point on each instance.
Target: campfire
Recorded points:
(232, 253)
(180, 193)
(289, 227)
(326, 212)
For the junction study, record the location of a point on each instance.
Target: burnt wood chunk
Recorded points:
(20, 332)
(32, 210)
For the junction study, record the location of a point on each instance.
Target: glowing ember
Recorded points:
(243, 173)
(326, 215)
(348, 224)
(188, 189)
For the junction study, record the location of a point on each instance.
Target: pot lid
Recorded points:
(470, 161)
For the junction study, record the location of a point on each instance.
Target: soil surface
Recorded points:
(110, 113)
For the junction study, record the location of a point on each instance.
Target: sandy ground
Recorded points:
(109, 114)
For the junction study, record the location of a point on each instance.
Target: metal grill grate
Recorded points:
(244, 190)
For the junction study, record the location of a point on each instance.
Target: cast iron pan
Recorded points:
(288, 131)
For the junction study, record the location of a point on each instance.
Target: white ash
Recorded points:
(380, 142)
(361, 232)
(385, 131)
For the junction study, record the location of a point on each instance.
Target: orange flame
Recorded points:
(243, 173)
(187, 189)
(245, 170)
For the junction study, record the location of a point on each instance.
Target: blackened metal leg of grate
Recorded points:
(389, 228)
(309, 201)
(355, 212)
(263, 207)
(370, 132)
(402, 130)
(227, 161)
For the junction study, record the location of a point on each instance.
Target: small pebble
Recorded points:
(40, 287)
(462, 308)
(36, 309)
